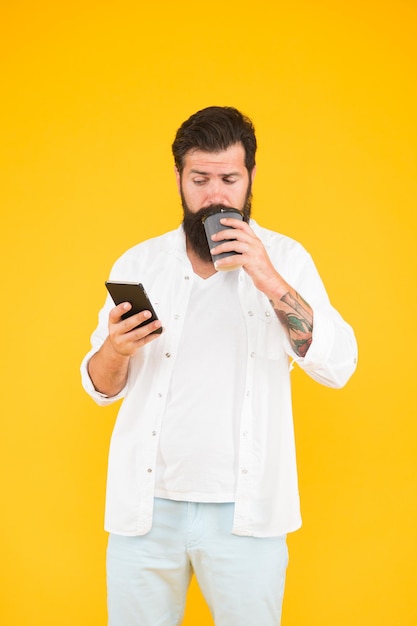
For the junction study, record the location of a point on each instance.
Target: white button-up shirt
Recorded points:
(266, 498)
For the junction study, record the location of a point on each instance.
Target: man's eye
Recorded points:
(229, 181)
(199, 181)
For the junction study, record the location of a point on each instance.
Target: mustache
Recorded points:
(199, 215)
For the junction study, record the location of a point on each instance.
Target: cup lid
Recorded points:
(220, 210)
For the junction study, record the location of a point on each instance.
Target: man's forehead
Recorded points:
(233, 157)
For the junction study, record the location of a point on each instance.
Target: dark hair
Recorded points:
(215, 129)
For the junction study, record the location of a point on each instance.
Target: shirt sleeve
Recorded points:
(97, 339)
(332, 356)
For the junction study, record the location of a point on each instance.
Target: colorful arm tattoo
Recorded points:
(297, 317)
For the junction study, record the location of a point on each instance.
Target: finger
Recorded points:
(234, 233)
(128, 341)
(232, 222)
(234, 245)
(229, 238)
(116, 313)
(146, 333)
(131, 322)
(123, 326)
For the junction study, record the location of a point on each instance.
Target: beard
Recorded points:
(194, 227)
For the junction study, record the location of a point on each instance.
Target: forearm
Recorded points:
(108, 370)
(296, 315)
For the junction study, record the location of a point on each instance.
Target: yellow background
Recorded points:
(92, 95)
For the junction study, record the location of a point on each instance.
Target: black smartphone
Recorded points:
(135, 294)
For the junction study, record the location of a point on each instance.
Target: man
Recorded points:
(202, 473)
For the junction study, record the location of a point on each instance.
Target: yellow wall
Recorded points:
(92, 95)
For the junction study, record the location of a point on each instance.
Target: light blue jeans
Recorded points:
(241, 578)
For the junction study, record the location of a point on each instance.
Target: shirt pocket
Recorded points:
(271, 336)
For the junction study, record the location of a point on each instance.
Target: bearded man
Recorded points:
(202, 475)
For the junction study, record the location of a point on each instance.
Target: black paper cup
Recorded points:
(212, 225)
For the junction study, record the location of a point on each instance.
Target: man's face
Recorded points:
(208, 180)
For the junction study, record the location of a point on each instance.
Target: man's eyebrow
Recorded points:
(223, 175)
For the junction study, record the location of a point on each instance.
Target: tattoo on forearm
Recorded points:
(295, 314)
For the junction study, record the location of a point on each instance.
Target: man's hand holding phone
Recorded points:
(133, 323)
(128, 334)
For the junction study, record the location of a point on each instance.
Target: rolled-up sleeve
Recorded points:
(97, 339)
(98, 397)
(332, 356)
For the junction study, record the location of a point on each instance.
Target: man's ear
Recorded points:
(252, 174)
(178, 178)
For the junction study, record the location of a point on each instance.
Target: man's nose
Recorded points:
(216, 194)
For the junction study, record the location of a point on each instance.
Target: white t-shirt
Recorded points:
(197, 455)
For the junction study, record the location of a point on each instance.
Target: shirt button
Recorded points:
(153, 433)
(252, 354)
(160, 395)
(176, 317)
(267, 313)
(250, 313)
(186, 278)
(167, 354)
(244, 471)
(149, 470)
